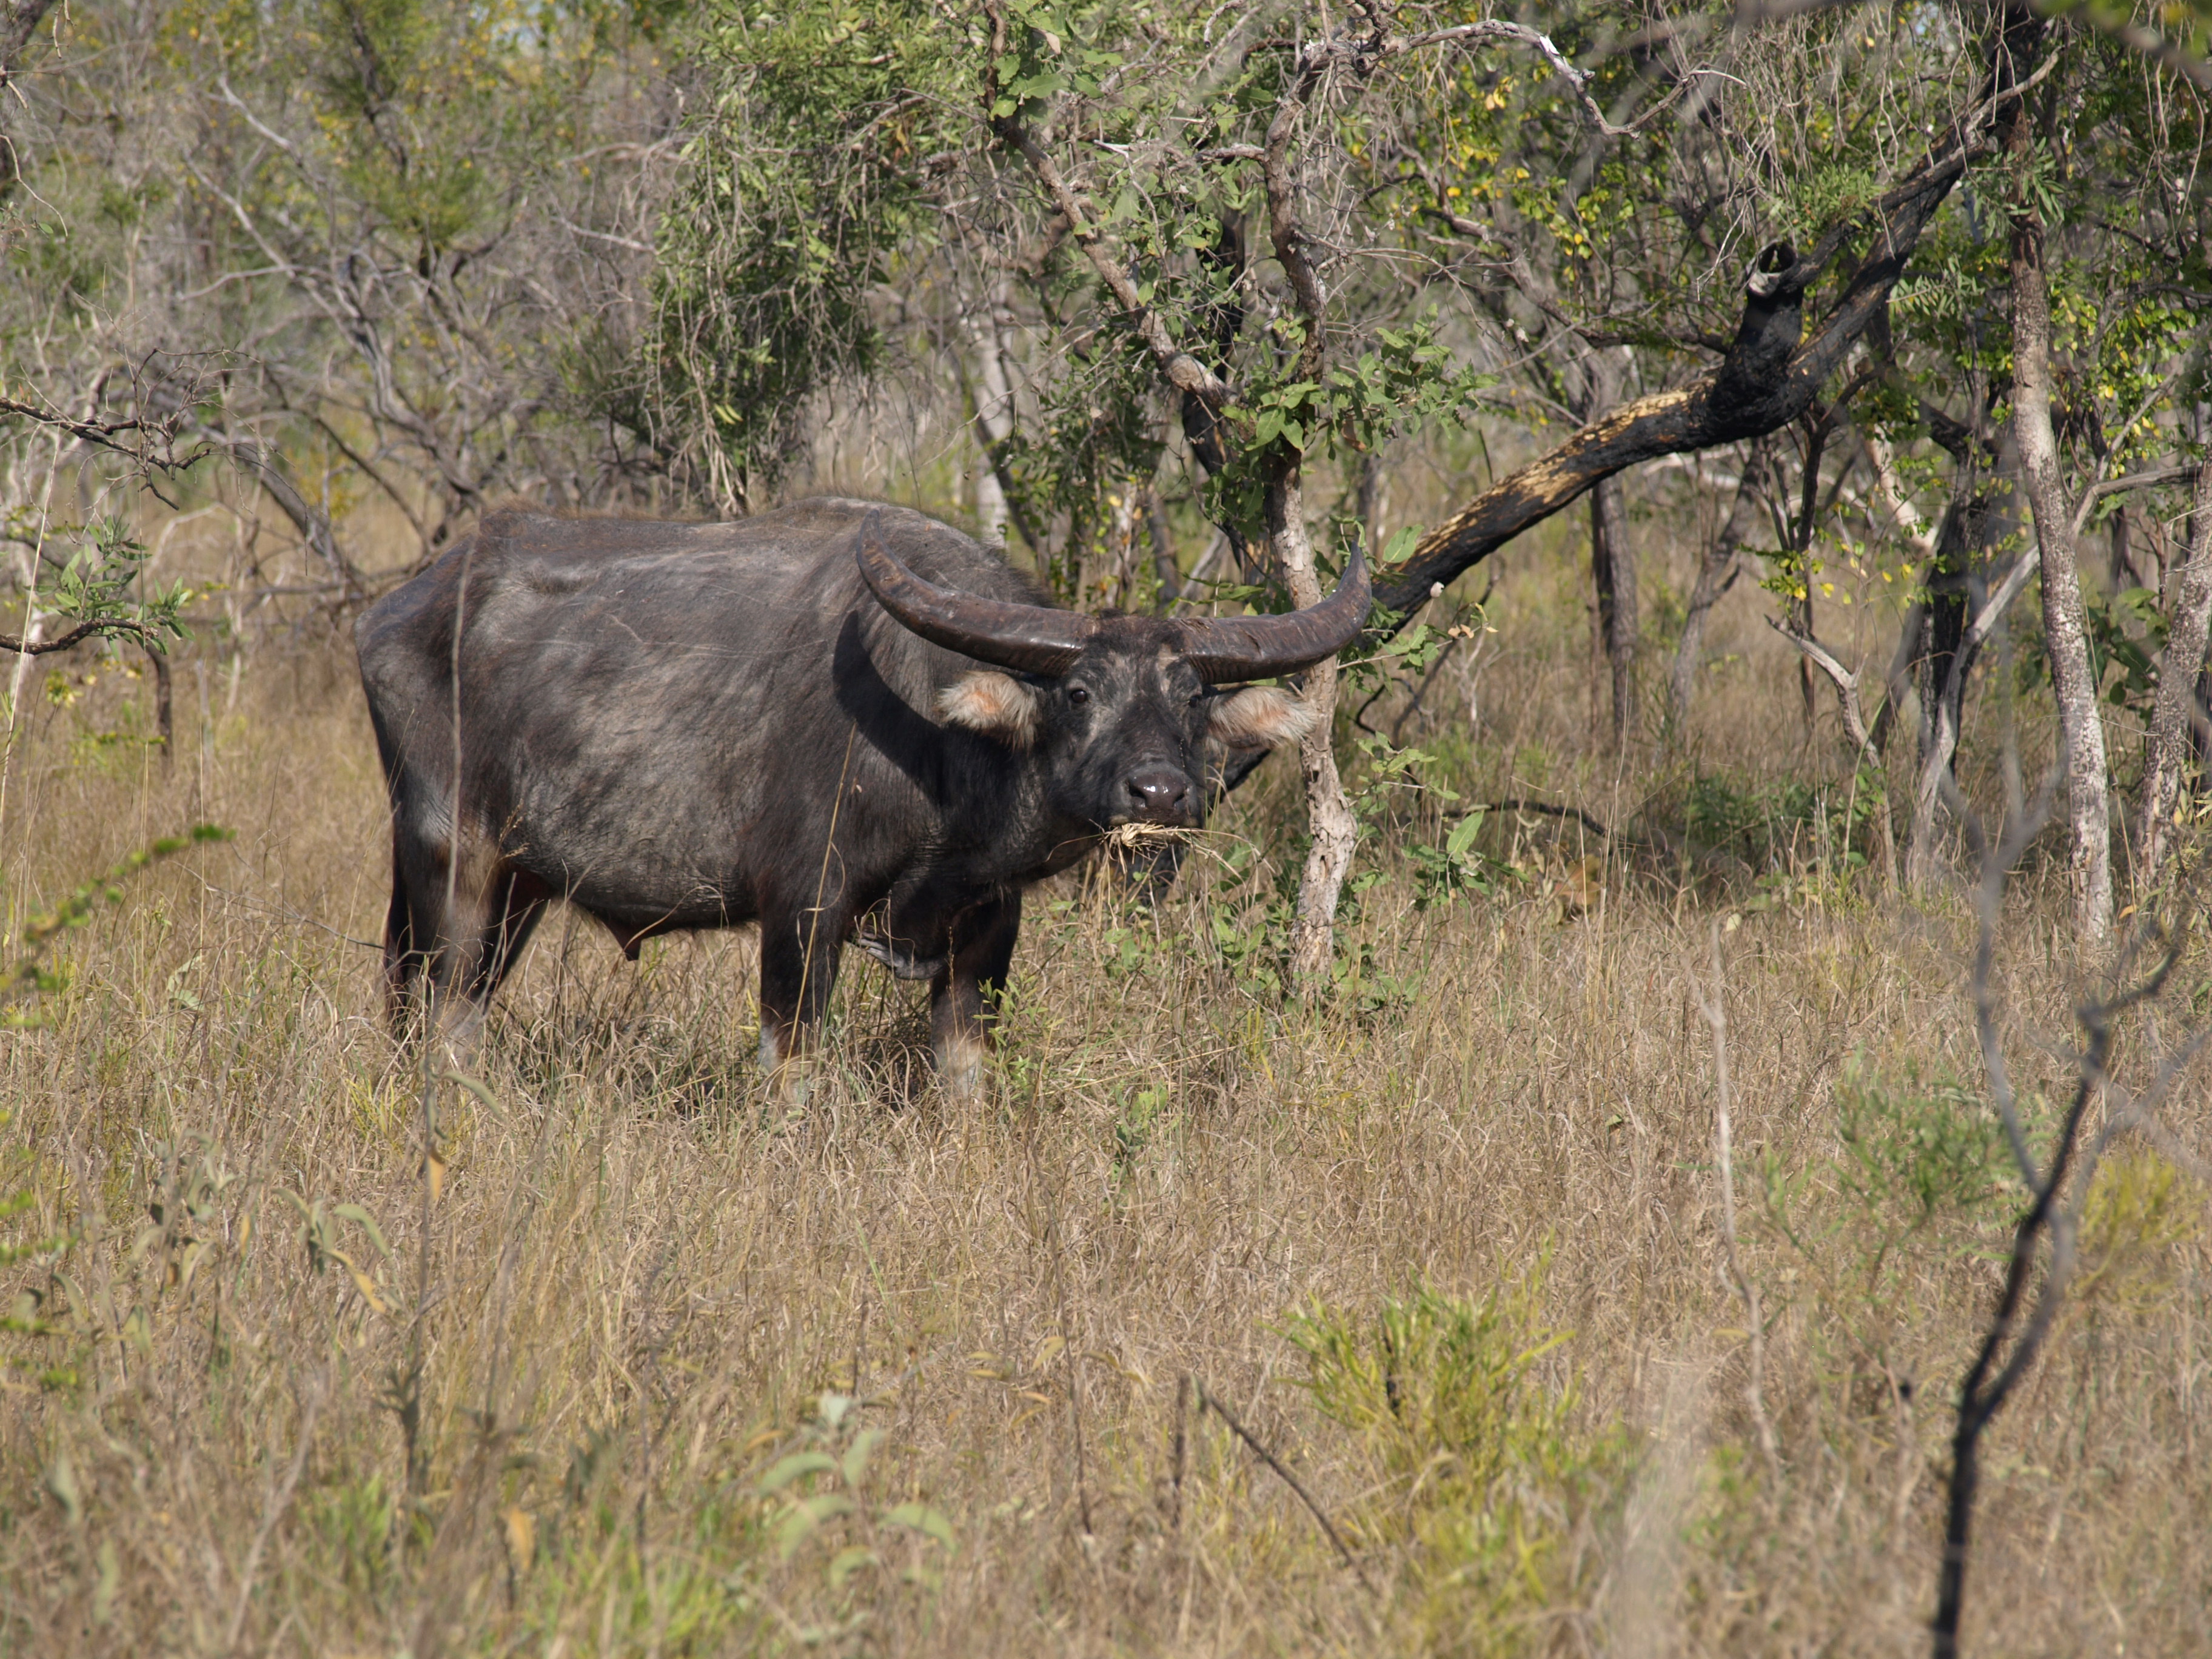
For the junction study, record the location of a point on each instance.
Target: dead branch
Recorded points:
(2154, 476)
(1767, 379)
(1208, 1401)
(2010, 1345)
(1847, 696)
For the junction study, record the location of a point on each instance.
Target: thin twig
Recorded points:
(1209, 1400)
(105, 626)
(2156, 476)
(1181, 1451)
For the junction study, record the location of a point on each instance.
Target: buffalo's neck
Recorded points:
(1023, 845)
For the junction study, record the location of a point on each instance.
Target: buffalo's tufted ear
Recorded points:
(997, 705)
(1261, 717)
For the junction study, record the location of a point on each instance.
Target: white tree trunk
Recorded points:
(995, 417)
(1329, 814)
(2065, 631)
(2166, 751)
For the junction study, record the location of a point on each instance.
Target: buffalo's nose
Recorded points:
(1160, 793)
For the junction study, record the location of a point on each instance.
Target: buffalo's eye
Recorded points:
(1197, 697)
(1079, 695)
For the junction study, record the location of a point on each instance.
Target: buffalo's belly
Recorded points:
(650, 901)
(655, 865)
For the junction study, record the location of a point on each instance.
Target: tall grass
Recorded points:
(657, 1369)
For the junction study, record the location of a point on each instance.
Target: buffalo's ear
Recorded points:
(1261, 717)
(997, 705)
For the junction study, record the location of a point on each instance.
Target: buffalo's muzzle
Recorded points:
(1159, 793)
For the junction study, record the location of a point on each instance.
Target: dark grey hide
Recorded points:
(686, 725)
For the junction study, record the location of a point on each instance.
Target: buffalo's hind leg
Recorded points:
(964, 996)
(451, 935)
(798, 952)
(412, 926)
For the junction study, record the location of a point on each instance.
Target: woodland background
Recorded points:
(1573, 1126)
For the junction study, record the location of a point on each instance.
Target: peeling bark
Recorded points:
(1328, 813)
(2169, 749)
(993, 423)
(2065, 629)
(1329, 821)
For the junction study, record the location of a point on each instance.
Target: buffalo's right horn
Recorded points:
(1227, 648)
(1034, 639)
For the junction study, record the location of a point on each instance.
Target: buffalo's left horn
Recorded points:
(1034, 639)
(1228, 648)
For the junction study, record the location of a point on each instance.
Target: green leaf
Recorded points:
(919, 1517)
(785, 1470)
(355, 1213)
(857, 1455)
(806, 1519)
(849, 1561)
(1400, 546)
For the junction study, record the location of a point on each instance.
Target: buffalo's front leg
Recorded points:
(961, 1013)
(798, 970)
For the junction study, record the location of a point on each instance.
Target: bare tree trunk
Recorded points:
(2065, 629)
(1613, 565)
(994, 419)
(2169, 749)
(2123, 558)
(1329, 814)
(1940, 733)
(1717, 574)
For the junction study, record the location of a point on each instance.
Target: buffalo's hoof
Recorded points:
(894, 955)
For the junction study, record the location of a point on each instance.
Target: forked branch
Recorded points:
(1847, 697)
(2018, 1326)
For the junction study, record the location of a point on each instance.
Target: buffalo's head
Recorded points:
(1120, 710)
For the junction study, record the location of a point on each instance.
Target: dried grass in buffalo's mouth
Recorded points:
(1132, 835)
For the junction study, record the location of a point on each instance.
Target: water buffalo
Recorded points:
(843, 721)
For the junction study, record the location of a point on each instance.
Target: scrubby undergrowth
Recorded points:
(637, 1363)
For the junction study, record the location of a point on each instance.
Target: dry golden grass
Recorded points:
(545, 1418)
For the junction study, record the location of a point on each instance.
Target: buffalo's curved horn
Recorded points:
(1226, 648)
(1034, 639)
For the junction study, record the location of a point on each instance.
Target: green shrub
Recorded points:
(1484, 1473)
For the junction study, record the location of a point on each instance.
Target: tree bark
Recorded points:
(1329, 823)
(2169, 749)
(1944, 661)
(993, 425)
(1613, 566)
(2065, 629)
(1329, 815)
(1717, 574)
